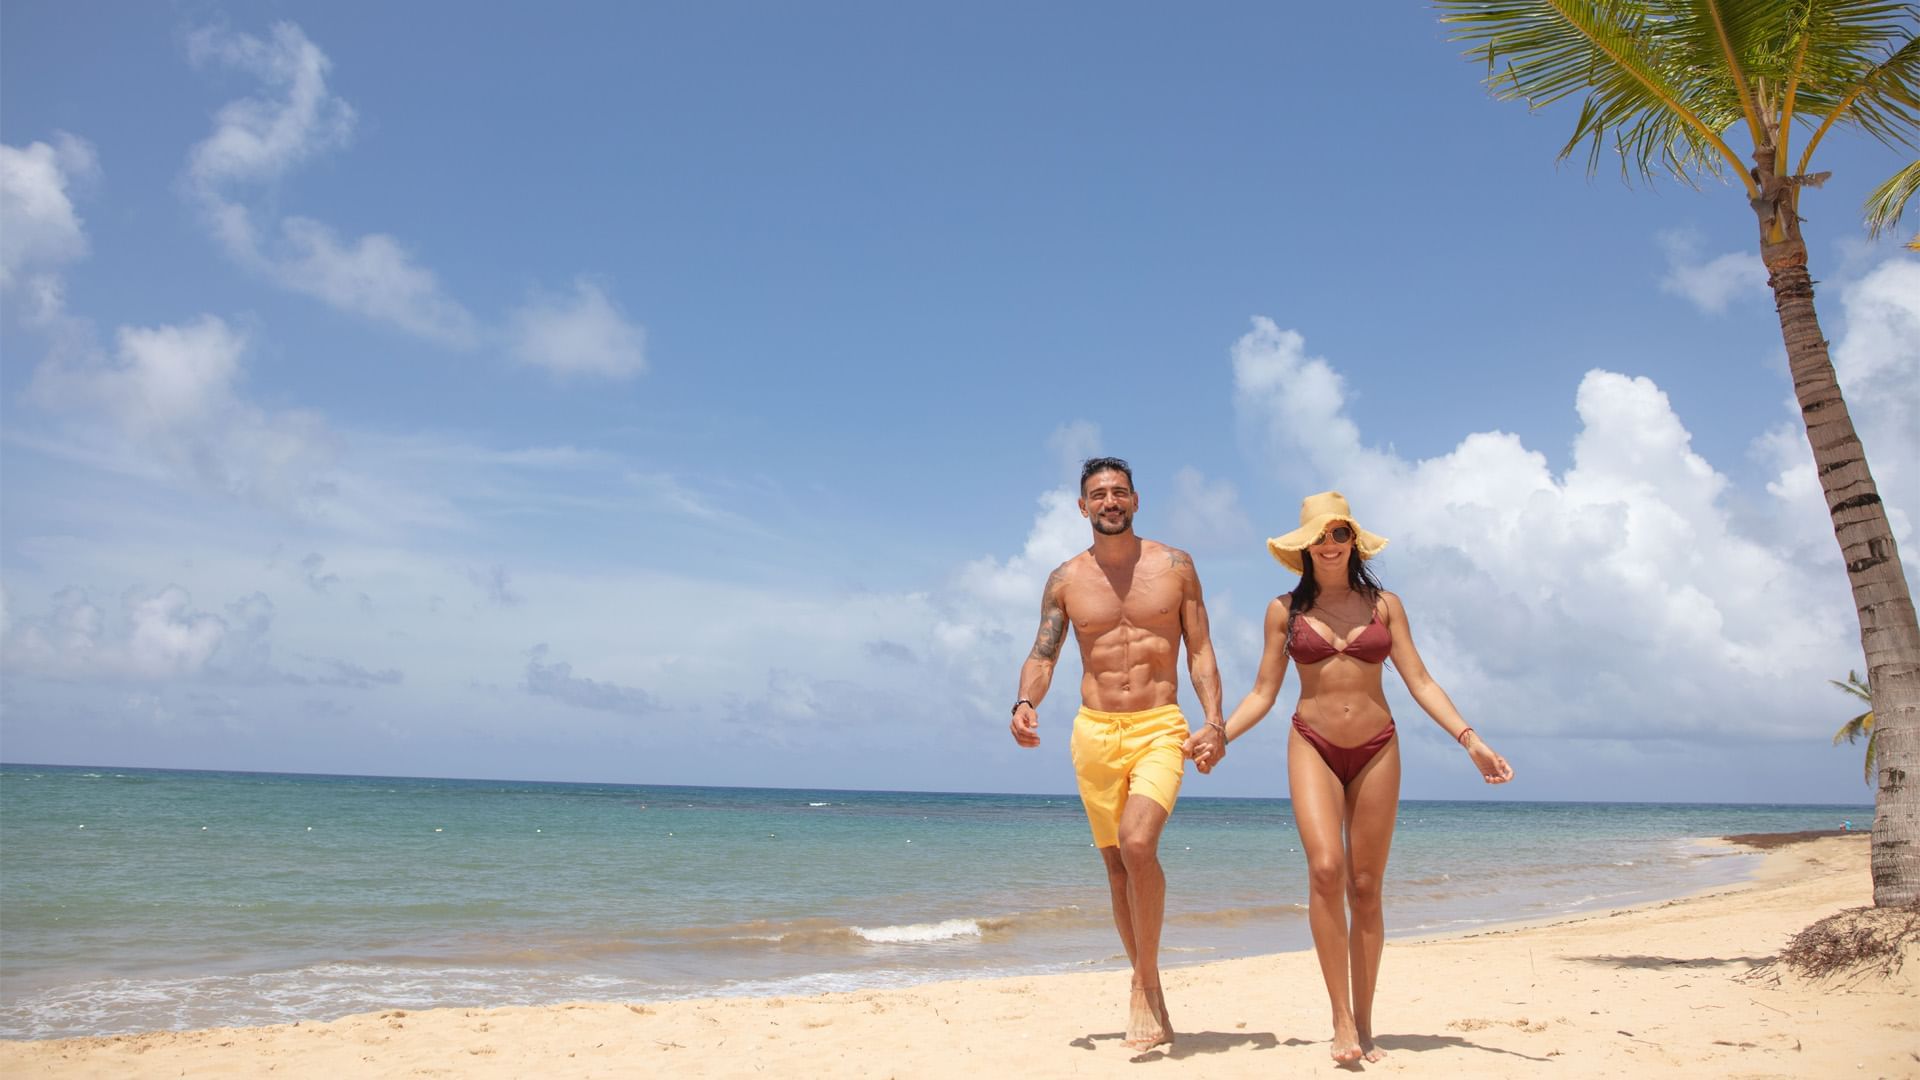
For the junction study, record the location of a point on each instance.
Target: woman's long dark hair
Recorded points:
(1359, 578)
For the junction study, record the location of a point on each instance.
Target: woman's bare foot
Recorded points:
(1160, 1009)
(1146, 1027)
(1346, 1043)
(1368, 1051)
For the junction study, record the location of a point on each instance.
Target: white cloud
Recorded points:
(39, 228)
(1290, 407)
(167, 394)
(256, 141)
(584, 333)
(1206, 516)
(159, 636)
(373, 277)
(1712, 284)
(1619, 598)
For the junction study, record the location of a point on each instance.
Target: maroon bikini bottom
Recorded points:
(1345, 761)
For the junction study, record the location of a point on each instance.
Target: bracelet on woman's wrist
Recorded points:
(1462, 737)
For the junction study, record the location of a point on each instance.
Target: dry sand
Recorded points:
(1666, 989)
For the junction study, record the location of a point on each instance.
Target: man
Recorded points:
(1131, 602)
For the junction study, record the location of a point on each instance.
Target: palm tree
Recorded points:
(1861, 725)
(1667, 84)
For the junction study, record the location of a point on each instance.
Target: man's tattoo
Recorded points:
(1053, 626)
(1179, 559)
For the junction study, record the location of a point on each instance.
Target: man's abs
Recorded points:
(1128, 669)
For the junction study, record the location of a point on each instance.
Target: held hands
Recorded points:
(1206, 747)
(1025, 725)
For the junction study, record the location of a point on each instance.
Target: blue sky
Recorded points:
(691, 394)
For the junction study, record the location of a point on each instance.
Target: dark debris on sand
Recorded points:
(1767, 841)
(1855, 944)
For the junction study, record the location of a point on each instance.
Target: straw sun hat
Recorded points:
(1317, 514)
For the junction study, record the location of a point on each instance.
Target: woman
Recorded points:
(1343, 761)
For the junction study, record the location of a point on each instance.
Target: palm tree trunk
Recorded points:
(1888, 632)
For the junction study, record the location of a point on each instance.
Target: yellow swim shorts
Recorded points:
(1120, 754)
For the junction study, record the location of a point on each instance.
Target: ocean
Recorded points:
(143, 899)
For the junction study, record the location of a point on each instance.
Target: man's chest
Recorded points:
(1153, 603)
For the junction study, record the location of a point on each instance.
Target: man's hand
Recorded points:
(1206, 747)
(1025, 725)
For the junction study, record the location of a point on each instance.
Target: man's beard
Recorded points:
(1105, 528)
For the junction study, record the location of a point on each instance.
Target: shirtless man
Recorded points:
(1130, 601)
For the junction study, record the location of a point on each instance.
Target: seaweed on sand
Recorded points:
(1851, 945)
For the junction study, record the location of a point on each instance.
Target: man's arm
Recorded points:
(1209, 744)
(1036, 675)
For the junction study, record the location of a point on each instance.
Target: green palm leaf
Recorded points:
(1860, 726)
(1887, 202)
(1667, 80)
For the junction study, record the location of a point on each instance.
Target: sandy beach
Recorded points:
(1677, 987)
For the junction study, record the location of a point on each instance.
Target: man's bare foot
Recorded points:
(1145, 1029)
(1160, 1009)
(1346, 1043)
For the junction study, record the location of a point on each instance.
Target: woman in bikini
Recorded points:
(1343, 761)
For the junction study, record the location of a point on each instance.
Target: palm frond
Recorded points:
(1645, 86)
(1860, 726)
(1664, 80)
(1887, 202)
(1854, 729)
(1867, 76)
(1854, 685)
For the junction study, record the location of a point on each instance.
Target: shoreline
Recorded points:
(1666, 986)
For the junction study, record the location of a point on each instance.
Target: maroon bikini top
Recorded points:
(1372, 644)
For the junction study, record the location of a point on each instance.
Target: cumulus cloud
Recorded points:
(159, 635)
(168, 393)
(583, 333)
(39, 228)
(986, 615)
(1619, 597)
(257, 140)
(557, 680)
(1710, 284)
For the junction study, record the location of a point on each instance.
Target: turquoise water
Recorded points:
(136, 899)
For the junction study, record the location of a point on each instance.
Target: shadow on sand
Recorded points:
(1414, 1044)
(1186, 1043)
(1194, 1043)
(1644, 962)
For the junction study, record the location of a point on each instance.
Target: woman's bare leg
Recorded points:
(1373, 804)
(1319, 810)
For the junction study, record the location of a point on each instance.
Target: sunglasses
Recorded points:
(1339, 534)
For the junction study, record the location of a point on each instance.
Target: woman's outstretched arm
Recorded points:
(1428, 695)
